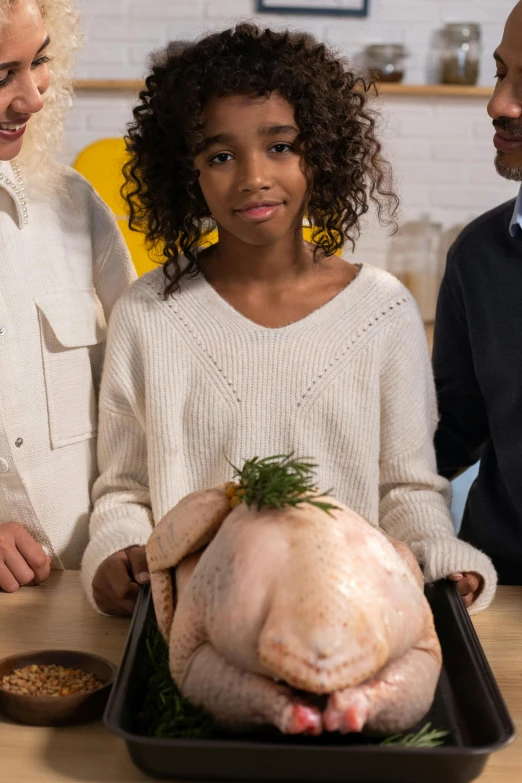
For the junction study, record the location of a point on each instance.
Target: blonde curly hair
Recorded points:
(44, 136)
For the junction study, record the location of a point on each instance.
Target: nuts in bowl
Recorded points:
(54, 687)
(49, 680)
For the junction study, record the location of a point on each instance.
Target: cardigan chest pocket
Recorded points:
(73, 330)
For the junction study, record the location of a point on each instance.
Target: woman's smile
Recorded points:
(12, 131)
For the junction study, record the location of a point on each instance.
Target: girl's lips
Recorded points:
(6, 135)
(507, 143)
(257, 214)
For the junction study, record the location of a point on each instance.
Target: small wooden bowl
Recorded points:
(57, 710)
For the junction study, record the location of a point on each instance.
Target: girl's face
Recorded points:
(24, 75)
(252, 173)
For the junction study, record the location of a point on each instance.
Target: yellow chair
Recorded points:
(101, 164)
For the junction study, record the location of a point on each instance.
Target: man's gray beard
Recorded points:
(508, 172)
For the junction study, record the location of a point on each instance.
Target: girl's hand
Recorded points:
(116, 583)
(22, 559)
(469, 585)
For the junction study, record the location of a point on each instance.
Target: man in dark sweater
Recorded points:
(477, 353)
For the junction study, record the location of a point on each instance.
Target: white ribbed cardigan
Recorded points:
(190, 380)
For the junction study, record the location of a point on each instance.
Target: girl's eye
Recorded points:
(499, 75)
(221, 157)
(281, 147)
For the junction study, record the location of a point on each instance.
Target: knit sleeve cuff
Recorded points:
(116, 535)
(444, 556)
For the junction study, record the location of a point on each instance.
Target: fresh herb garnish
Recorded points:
(424, 738)
(279, 481)
(166, 713)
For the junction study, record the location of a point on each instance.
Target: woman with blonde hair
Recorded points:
(64, 265)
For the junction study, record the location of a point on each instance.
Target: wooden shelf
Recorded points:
(108, 85)
(413, 90)
(438, 90)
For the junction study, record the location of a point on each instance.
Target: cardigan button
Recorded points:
(2, 331)
(18, 442)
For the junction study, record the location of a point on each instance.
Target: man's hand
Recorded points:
(22, 559)
(469, 585)
(116, 582)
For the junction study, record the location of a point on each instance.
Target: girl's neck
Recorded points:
(235, 261)
(277, 285)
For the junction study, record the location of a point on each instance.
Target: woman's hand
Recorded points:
(22, 559)
(469, 585)
(116, 582)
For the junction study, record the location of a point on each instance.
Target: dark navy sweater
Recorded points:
(477, 360)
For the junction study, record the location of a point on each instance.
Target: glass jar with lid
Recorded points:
(461, 53)
(415, 257)
(385, 62)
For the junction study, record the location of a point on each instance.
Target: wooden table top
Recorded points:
(56, 614)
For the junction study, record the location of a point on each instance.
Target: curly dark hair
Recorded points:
(337, 131)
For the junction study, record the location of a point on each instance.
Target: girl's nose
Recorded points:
(254, 175)
(506, 100)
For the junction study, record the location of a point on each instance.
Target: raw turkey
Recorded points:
(307, 620)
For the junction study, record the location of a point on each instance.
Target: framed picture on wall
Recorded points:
(336, 7)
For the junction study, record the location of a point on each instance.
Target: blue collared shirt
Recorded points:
(515, 227)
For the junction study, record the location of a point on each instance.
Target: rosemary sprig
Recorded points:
(424, 738)
(278, 481)
(165, 712)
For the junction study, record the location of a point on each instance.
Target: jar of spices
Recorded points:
(386, 61)
(461, 54)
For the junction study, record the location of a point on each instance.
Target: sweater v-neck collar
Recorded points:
(214, 302)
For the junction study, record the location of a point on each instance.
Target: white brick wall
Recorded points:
(440, 147)
(123, 27)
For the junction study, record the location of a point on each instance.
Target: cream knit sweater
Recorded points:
(190, 380)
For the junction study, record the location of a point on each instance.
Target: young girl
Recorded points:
(263, 343)
(63, 265)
